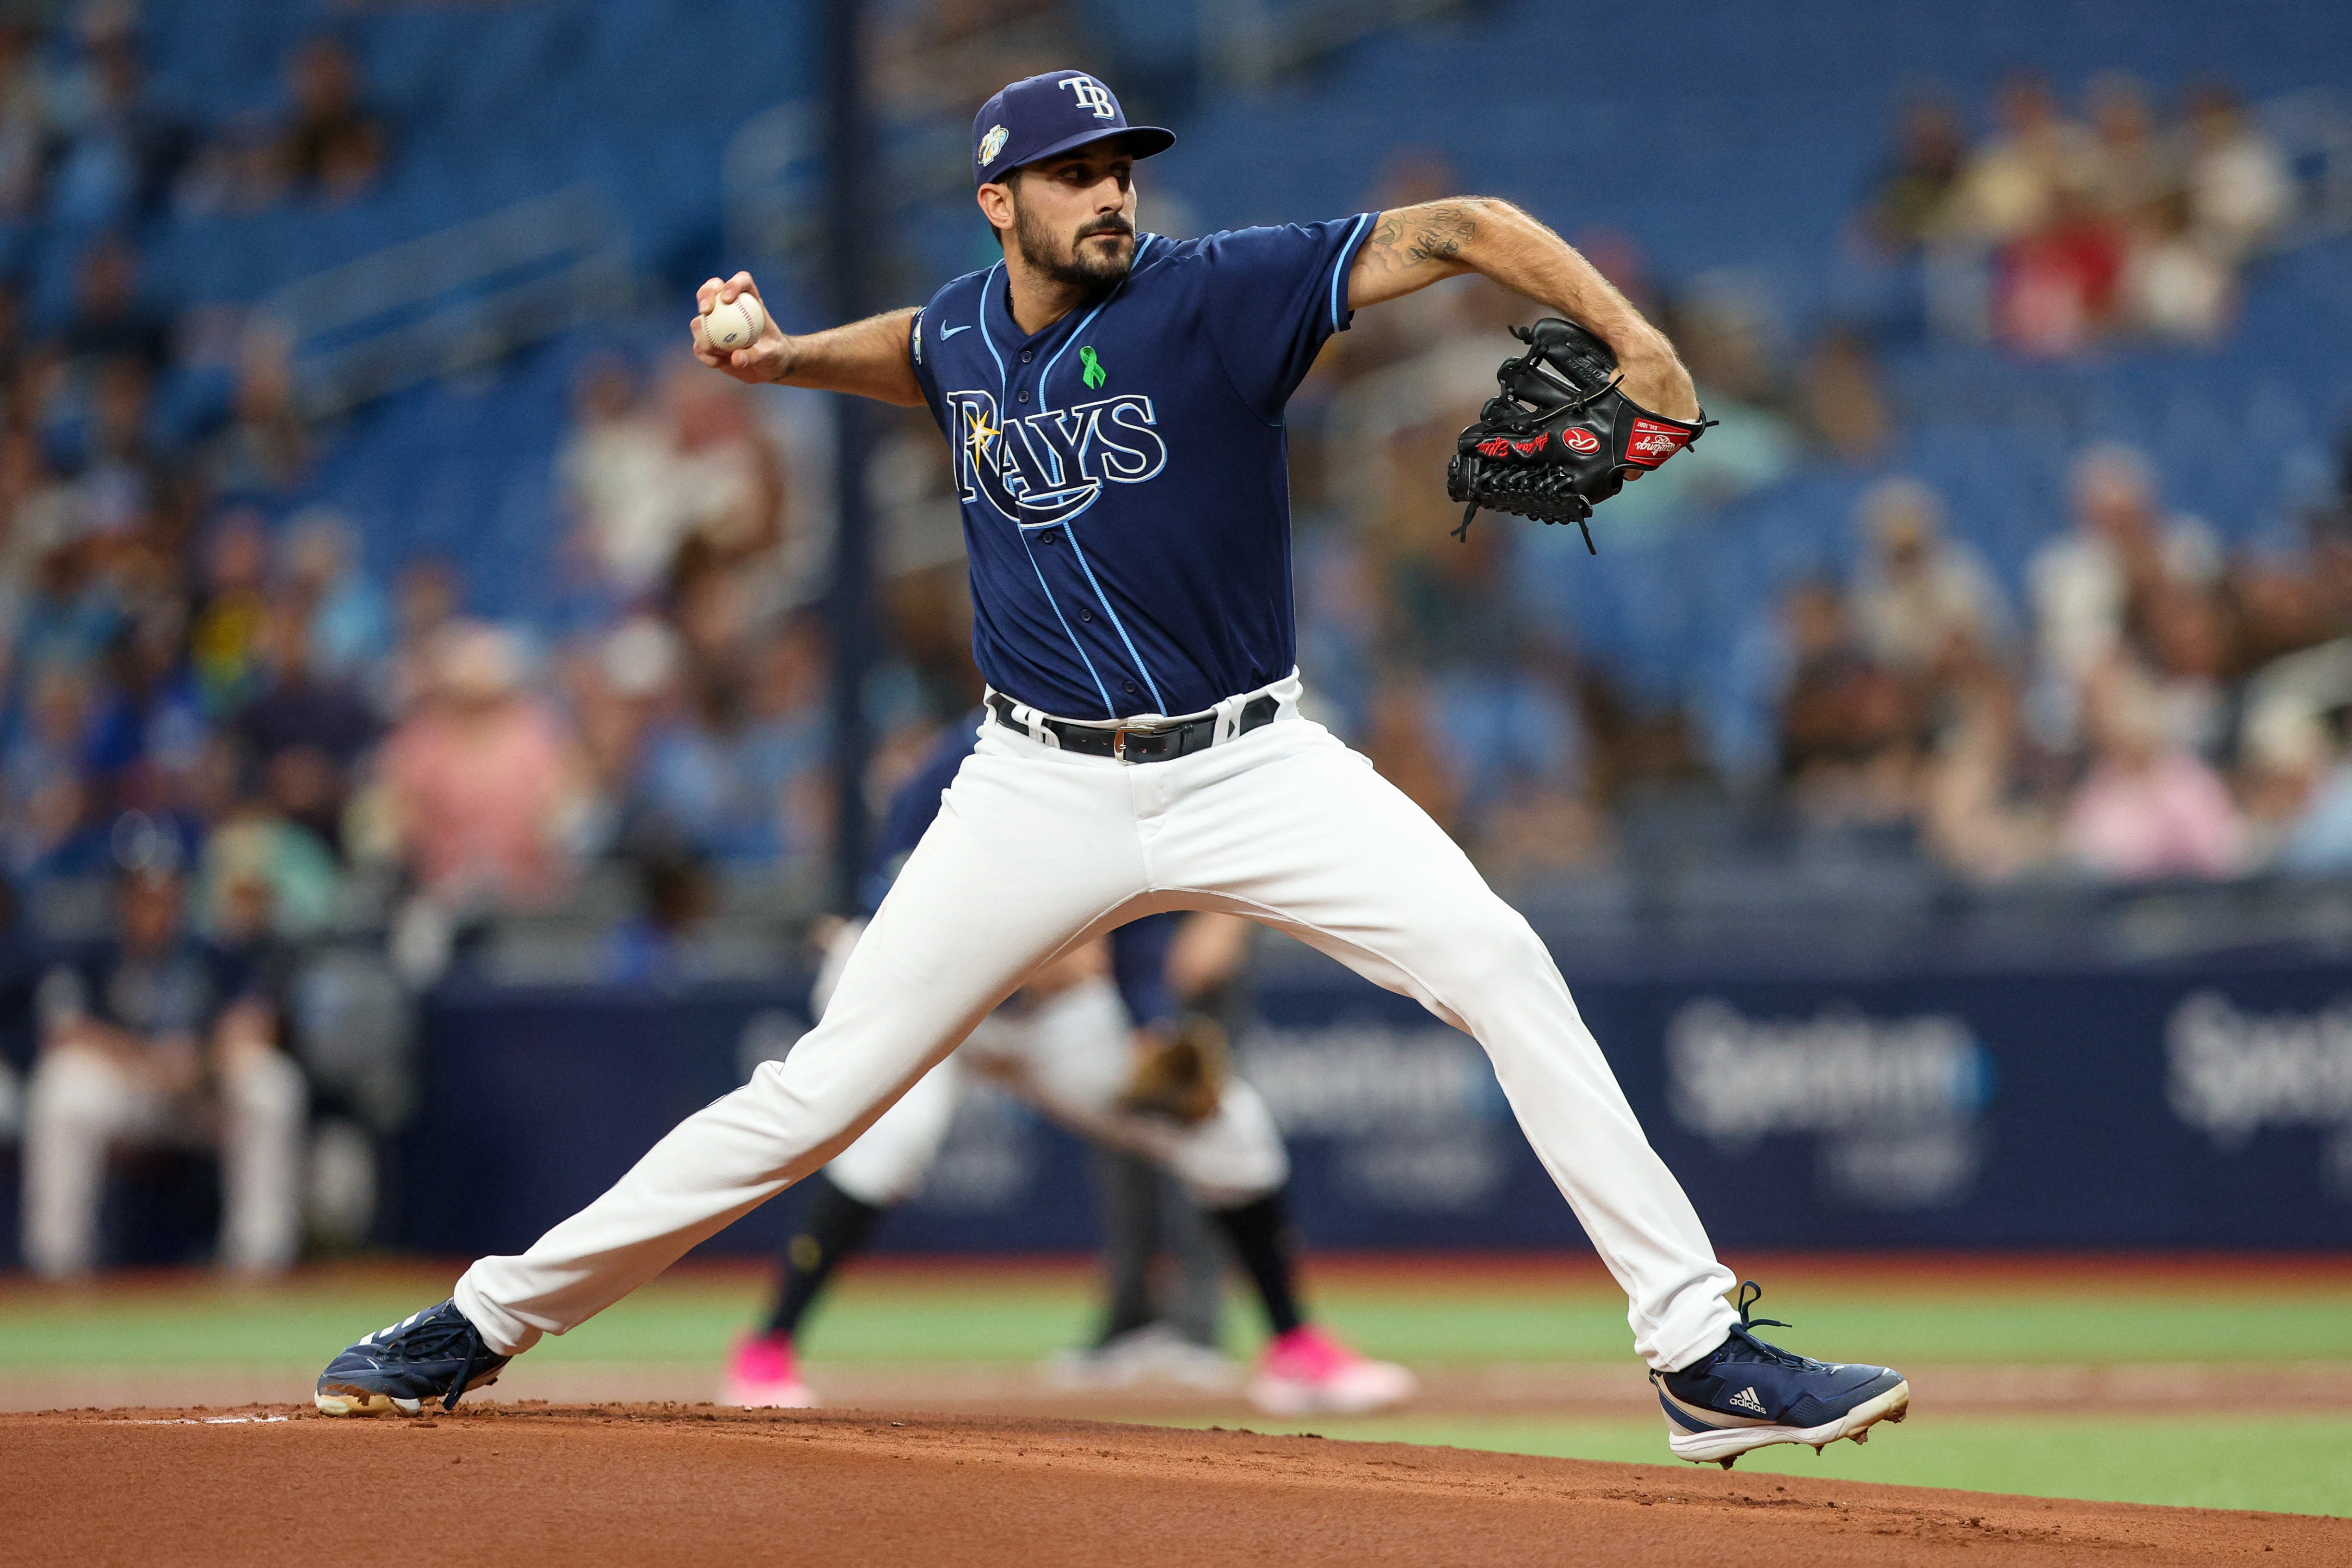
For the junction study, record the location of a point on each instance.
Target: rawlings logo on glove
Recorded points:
(1564, 385)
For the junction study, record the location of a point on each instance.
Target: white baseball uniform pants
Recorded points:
(1068, 1055)
(79, 1103)
(1036, 851)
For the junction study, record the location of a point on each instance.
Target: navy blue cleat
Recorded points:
(1751, 1394)
(435, 1355)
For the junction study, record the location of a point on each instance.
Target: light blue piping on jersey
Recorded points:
(1109, 709)
(1003, 390)
(1158, 702)
(1339, 268)
(1004, 395)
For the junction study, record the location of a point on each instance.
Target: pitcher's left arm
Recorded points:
(1413, 248)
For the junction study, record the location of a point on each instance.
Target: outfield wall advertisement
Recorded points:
(1986, 1111)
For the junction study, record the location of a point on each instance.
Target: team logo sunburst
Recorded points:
(977, 432)
(991, 144)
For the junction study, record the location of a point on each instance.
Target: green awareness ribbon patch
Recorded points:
(1094, 375)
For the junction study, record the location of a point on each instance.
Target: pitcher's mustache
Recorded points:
(1115, 223)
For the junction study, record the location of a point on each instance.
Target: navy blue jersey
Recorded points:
(1124, 474)
(182, 991)
(1139, 950)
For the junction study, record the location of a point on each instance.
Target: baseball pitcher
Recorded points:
(1114, 401)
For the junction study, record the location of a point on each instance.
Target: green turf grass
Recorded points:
(2295, 1463)
(893, 1316)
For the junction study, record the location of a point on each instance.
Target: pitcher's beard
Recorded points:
(1088, 271)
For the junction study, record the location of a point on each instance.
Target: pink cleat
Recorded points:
(1307, 1372)
(761, 1375)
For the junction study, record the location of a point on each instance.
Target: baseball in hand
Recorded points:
(734, 324)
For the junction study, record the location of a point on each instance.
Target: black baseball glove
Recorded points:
(1563, 435)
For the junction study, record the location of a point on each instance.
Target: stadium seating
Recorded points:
(1666, 139)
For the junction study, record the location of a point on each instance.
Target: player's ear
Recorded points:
(996, 204)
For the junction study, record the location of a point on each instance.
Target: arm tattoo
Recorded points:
(1436, 231)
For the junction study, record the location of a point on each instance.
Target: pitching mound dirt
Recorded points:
(627, 1484)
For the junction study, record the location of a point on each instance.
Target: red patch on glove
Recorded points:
(1583, 443)
(1653, 442)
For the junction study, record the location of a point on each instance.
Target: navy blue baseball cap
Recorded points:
(1039, 116)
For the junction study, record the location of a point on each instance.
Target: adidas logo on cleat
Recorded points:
(1746, 1400)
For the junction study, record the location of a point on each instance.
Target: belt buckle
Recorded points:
(1118, 744)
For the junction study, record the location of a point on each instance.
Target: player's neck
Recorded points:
(1038, 299)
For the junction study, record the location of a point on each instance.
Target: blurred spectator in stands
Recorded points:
(425, 602)
(333, 147)
(785, 751)
(351, 630)
(2277, 605)
(2011, 183)
(148, 729)
(1917, 592)
(70, 612)
(2182, 626)
(725, 478)
(919, 557)
(2150, 807)
(610, 687)
(49, 813)
(307, 730)
(24, 120)
(1509, 729)
(118, 152)
(694, 471)
(1842, 401)
(263, 452)
(656, 945)
(613, 471)
(161, 1039)
(2239, 191)
(2175, 286)
(109, 320)
(732, 732)
(2291, 716)
(2055, 289)
(2083, 583)
(1846, 727)
(2132, 168)
(121, 480)
(1731, 339)
(484, 785)
(1978, 815)
(267, 874)
(1400, 737)
(225, 644)
(2316, 838)
(1909, 194)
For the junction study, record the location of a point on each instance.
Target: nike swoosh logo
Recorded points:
(947, 332)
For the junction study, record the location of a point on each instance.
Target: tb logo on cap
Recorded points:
(1093, 95)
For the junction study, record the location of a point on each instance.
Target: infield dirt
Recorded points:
(629, 1484)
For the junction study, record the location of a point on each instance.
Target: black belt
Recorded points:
(1139, 745)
